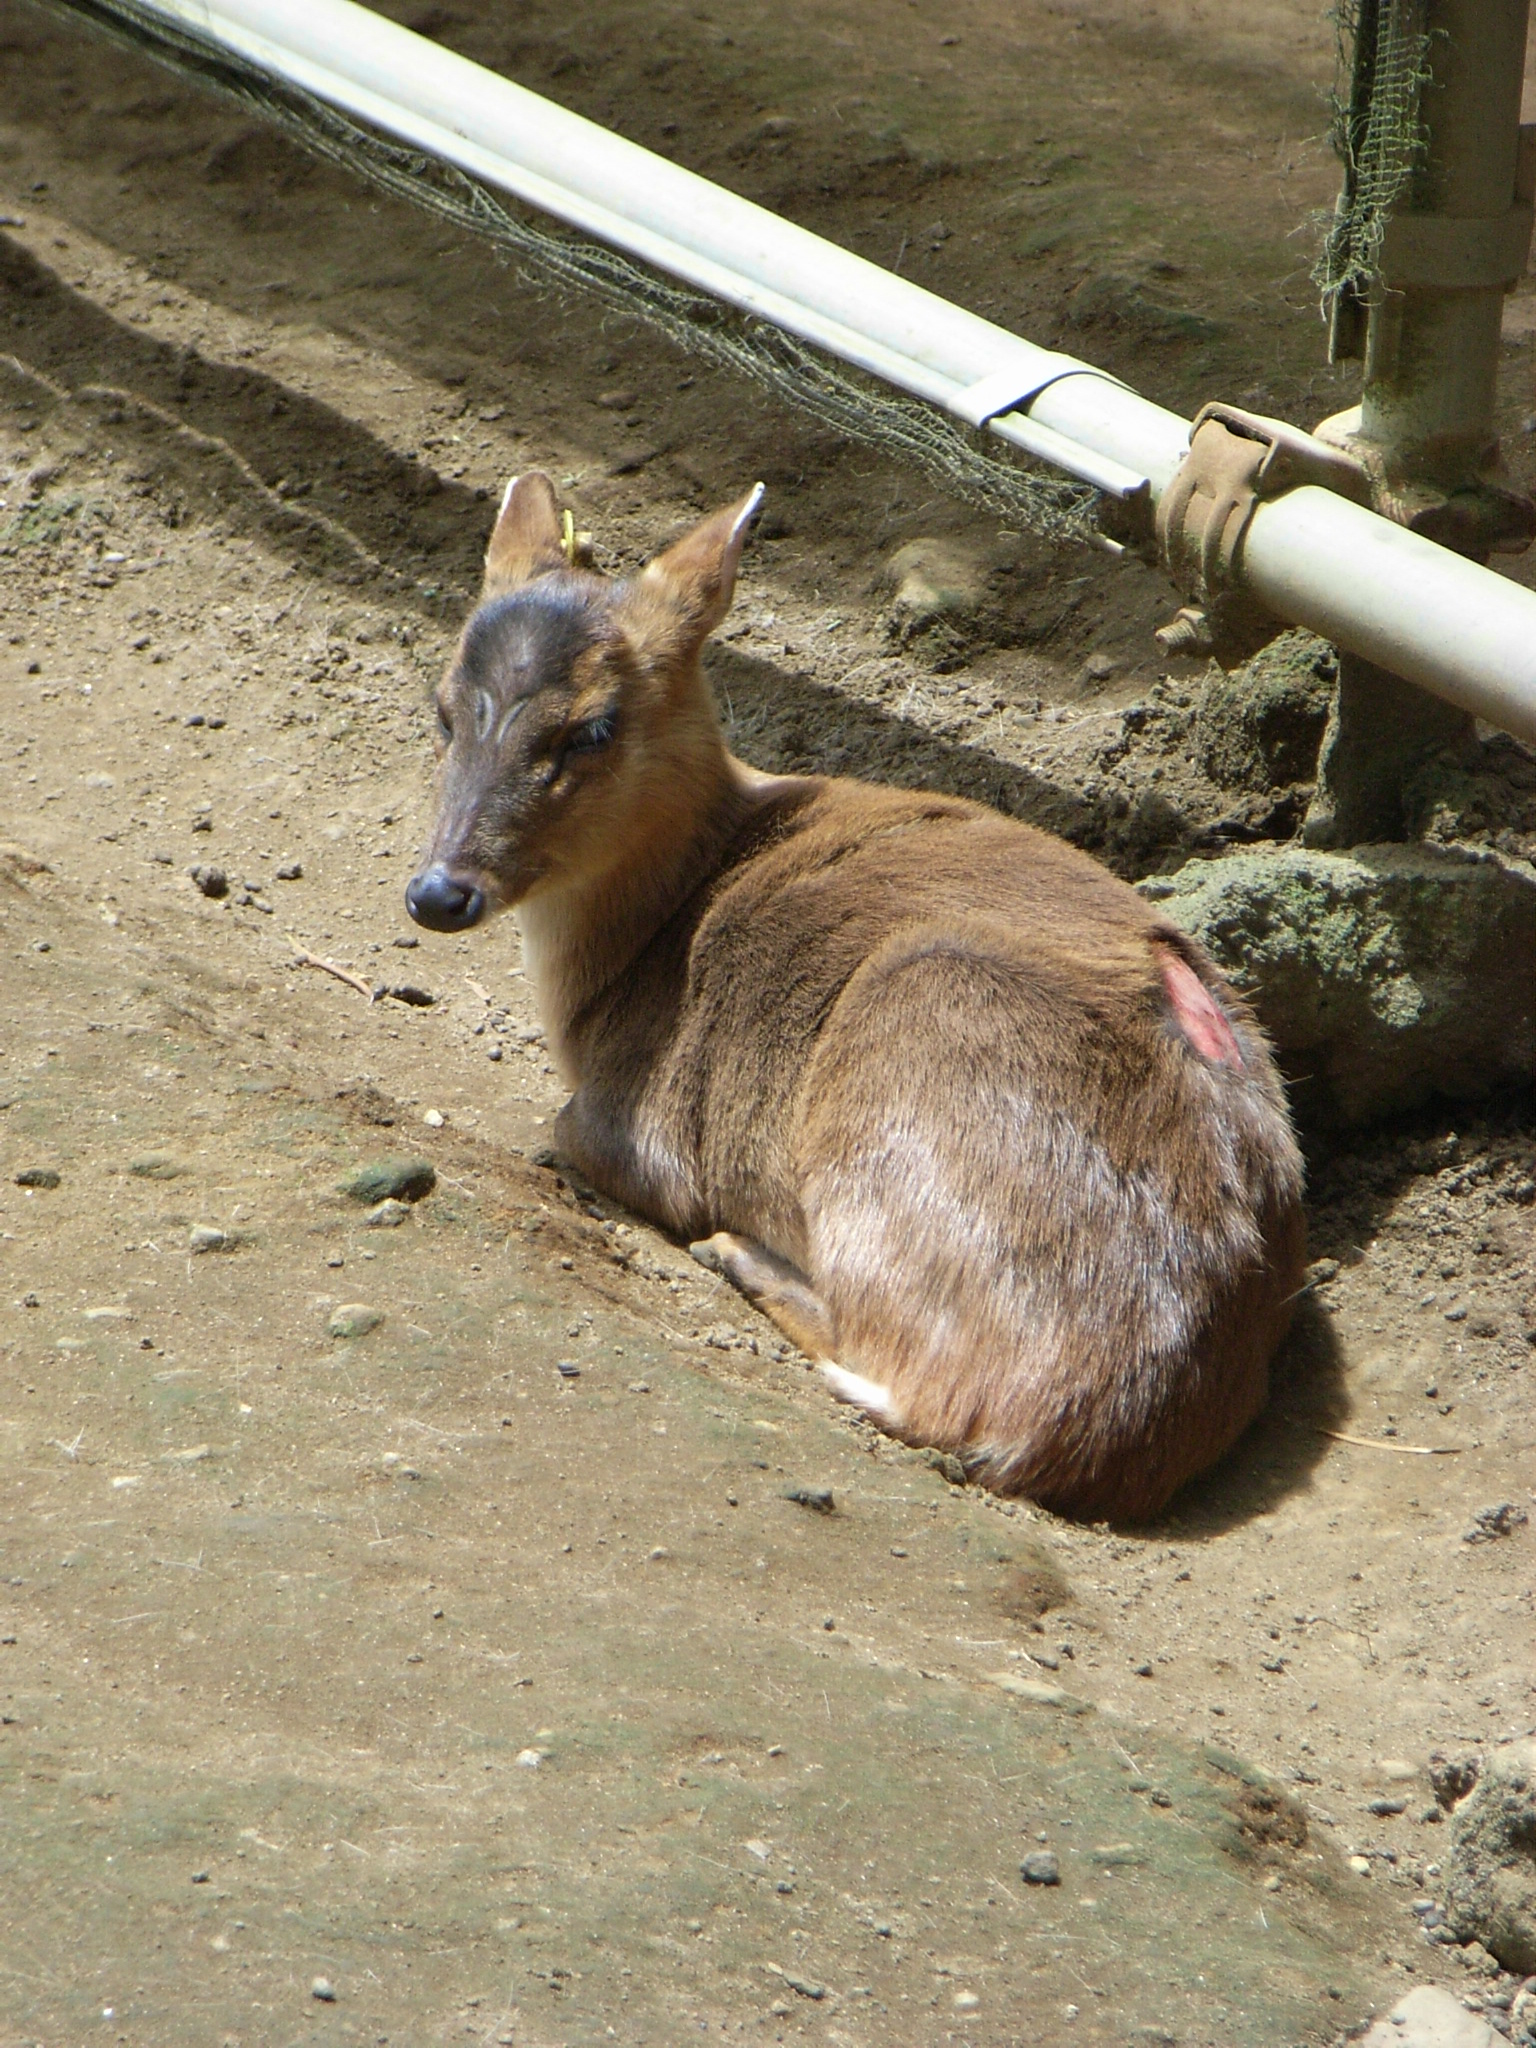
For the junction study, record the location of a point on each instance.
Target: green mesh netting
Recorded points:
(1380, 138)
(859, 408)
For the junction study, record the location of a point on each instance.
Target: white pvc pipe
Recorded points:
(1446, 624)
(1413, 608)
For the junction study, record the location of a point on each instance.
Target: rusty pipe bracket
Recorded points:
(1236, 460)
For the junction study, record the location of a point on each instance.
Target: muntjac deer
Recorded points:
(984, 1135)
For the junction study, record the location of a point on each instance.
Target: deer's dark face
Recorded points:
(531, 738)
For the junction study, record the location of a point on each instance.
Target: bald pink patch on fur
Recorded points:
(1198, 1012)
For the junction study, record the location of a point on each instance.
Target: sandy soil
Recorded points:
(532, 1707)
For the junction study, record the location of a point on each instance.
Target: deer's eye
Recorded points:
(444, 725)
(592, 734)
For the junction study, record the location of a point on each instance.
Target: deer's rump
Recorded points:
(960, 1076)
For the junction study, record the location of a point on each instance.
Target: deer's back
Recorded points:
(698, 1056)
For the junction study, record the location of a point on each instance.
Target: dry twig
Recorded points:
(1371, 1443)
(302, 957)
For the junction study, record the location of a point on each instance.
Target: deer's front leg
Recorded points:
(644, 1173)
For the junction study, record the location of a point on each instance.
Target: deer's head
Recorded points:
(574, 717)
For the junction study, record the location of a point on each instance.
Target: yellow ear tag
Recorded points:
(568, 538)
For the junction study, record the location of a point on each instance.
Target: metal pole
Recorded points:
(1425, 426)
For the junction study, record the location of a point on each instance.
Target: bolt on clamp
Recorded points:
(1236, 460)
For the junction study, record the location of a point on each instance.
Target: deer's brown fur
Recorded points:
(982, 1132)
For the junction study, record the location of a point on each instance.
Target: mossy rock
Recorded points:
(1383, 976)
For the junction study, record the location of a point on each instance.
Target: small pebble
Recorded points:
(568, 1369)
(1041, 1866)
(1383, 1807)
(37, 1177)
(493, 1052)
(42, 945)
(530, 1759)
(323, 1989)
(290, 871)
(211, 880)
(387, 1215)
(206, 1237)
(433, 1119)
(966, 2001)
(199, 1877)
(1360, 1864)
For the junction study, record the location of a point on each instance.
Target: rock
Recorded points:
(1037, 1691)
(1431, 2018)
(354, 1319)
(387, 1215)
(1041, 1866)
(207, 1237)
(433, 1119)
(37, 1177)
(1490, 1886)
(1259, 729)
(400, 1180)
(290, 871)
(1387, 974)
(156, 1166)
(1097, 670)
(819, 1498)
(940, 591)
(323, 1989)
(210, 879)
(1489, 1524)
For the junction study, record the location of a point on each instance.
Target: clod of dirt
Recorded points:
(1041, 1866)
(1451, 1779)
(1489, 1524)
(354, 1319)
(387, 1215)
(1490, 1892)
(37, 1177)
(407, 992)
(211, 880)
(1032, 1588)
(207, 1237)
(401, 1180)
(1393, 973)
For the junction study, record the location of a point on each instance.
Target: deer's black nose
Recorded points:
(436, 900)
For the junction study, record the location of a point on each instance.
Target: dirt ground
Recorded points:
(372, 1676)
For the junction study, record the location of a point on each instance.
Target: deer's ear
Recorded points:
(528, 538)
(697, 574)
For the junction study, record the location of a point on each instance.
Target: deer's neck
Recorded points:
(578, 939)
